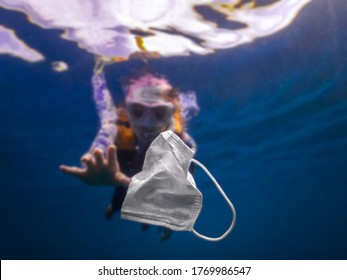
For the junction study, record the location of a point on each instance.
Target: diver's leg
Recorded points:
(116, 202)
(165, 233)
(144, 227)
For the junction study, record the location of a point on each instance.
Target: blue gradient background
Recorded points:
(272, 129)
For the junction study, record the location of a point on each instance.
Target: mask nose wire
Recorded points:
(226, 199)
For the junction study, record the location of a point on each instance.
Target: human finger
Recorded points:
(99, 159)
(122, 179)
(86, 156)
(112, 156)
(72, 170)
(89, 162)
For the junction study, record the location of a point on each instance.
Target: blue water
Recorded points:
(272, 129)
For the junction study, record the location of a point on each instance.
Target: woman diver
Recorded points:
(151, 106)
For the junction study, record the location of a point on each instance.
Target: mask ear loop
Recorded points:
(226, 199)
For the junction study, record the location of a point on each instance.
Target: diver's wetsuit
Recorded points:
(130, 161)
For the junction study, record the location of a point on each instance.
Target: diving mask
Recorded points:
(148, 105)
(150, 114)
(148, 120)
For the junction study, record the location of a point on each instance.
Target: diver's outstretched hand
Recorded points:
(99, 169)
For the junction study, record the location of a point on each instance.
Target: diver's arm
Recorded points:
(100, 163)
(107, 113)
(101, 158)
(189, 141)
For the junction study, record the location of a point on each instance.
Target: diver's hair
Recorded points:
(174, 96)
(136, 75)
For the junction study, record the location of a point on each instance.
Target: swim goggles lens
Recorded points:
(160, 112)
(137, 110)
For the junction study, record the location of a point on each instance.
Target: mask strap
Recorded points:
(226, 199)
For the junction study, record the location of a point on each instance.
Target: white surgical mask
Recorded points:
(164, 193)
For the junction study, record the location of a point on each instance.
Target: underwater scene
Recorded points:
(256, 91)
